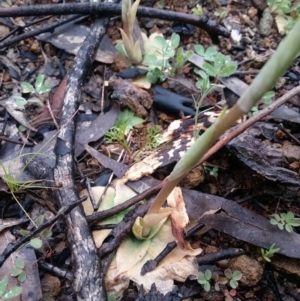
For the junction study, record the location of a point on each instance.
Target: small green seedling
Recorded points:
(5, 295)
(285, 221)
(204, 279)
(159, 66)
(221, 14)
(153, 138)
(198, 10)
(219, 280)
(18, 270)
(40, 87)
(125, 122)
(233, 277)
(180, 60)
(222, 66)
(267, 100)
(267, 254)
(286, 14)
(213, 171)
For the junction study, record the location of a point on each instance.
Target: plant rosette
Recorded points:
(133, 253)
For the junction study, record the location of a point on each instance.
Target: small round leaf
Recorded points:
(36, 243)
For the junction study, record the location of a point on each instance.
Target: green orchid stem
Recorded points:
(265, 80)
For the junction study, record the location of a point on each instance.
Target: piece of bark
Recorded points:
(88, 275)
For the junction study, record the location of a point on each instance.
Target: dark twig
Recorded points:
(36, 32)
(12, 247)
(151, 264)
(110, 9)
(223, 254)
(56, 271)
(98, 216)
(122, 229)
(21, 28)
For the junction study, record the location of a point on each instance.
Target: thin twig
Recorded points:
(17, 244)
(111, 9)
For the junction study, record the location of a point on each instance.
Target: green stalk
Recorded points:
(265, 80)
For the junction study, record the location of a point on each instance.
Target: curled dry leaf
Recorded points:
(179, 217)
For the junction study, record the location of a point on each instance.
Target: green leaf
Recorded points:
(237, 275)
(40, 220)
(280, 226)
(35, 100)
(24, 232)
(295, 222)
(161, 41)
(228, 273)
(15, 272)
(46, 233)
(209, 69)
(22, 277)
(36, 243)
(268, 95)
(39, 81)
(199, 49)
(175, 40)
(43, 89)
(3, 285)
(228, 70)
(208, 274)
(19, 263)
(210, 54)
(206, 286)
(218, 62)
(288, 228)
(27, 87)
(14, 292)
(150, 60)
(274, 222)
(20, 101)
(233, 283)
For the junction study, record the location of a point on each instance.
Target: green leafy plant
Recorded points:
(233, 277)
(198, 10)
(267, 254)
(41, 86)
(204, 279)
(221, 14)
(266, 101)
(180, 60)
(18, 270)
(222, 66)
(153, 138)
(286, 13)
(213, 171)
(125, 122)
(159, 65)
(206, 88)
(5, 295)
(285, 221)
